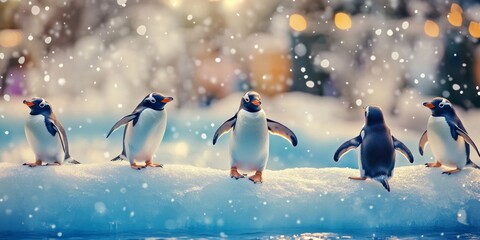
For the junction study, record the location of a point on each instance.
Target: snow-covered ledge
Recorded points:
(111, 197)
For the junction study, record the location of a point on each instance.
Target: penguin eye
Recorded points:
(153, 100)
(247, 99)
(441, 105)
(42, 105)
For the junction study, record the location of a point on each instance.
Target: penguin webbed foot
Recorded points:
(435, 164)
(358, 178)
(136, 166)
(150, 164)
(36, 163)
(235, 174)
(257, 178)
(32, 165)
(450, 172)
(53, 164)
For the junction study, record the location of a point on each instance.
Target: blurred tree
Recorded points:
(458, 76)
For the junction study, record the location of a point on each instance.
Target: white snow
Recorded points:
(111, 197)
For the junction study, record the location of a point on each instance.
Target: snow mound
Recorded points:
(112, 198)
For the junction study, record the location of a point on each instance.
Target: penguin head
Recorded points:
(440, 107)
(373, 115)
(38, 106)
(251, 102)
(155, 101)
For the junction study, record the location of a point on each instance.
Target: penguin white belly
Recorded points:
(445, 149)
(46, 147)
(143, 139)
(249, 141)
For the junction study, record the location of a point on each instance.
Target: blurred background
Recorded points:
(201, 51)
(95, 60)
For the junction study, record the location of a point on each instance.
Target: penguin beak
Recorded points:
(167, 100)
(256, 102)
(28, 103)
(429, 105)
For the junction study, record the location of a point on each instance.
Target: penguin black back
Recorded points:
(377, 150)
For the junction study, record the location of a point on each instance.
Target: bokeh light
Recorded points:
(431, 28)
(474, 29)
(456, 8)
(10, 38)
(343, 21)
(297, 22)
(455, 17)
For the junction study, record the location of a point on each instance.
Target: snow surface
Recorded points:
(112, 198)
(304, 188)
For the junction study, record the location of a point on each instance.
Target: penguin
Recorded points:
(144, 130)
(377, 148)
(249, 141)
(46, 135)
(449, 141)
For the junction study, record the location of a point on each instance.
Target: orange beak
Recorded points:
(429, 105)
(167, 100)
(28, 103)
(256, 102)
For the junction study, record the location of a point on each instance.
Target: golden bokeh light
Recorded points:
(10, 38)
(343, 21)
(474, 29)
(455, 18)
(456, 8)
(431, 28)
(297, 22)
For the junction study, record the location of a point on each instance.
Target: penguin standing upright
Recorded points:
(46, 135)
(249, 142)
(377, 151)
(144, 130)
(447, 136)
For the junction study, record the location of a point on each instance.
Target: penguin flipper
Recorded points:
(123, 121)
(423, 142)
(120, 157)
(347, 147)
(58, 127)
(466, 138)
(399, 146)
(472, 164)
(281, 130)
(224, 128)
